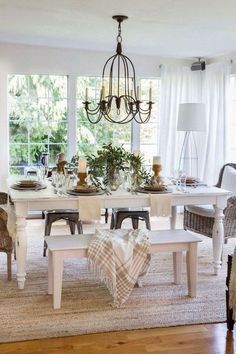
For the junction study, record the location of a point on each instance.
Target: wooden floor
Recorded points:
(198, 339)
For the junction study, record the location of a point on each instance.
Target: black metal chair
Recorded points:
(70, 215)
(120, 214)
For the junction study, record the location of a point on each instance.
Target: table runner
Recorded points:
(89, 208)
(160, 204)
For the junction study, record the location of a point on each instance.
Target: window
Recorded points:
(233, 119)
(149, 133)
(37, 118)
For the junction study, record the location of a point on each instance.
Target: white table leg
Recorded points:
(173, 217)
(191, 259)
(177, 265)
(50, 273)
(218, 239)
(57, 263)
(21, 250)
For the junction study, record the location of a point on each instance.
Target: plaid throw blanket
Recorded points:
(119, 257)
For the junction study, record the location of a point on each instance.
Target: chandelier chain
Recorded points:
(119, 37)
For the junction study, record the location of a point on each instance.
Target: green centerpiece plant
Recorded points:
(105, 167)
(138, 174)
(112, 164)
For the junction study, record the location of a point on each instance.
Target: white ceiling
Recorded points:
(168, 28)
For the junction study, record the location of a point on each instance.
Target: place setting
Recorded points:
(28, 185)
(157, 184)
(76, 185)
(84, 190)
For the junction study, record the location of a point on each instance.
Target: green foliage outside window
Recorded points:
(37, 118)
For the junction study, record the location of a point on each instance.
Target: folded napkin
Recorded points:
(160, 204)
(89, 208)
(119, 257)
(11, 219)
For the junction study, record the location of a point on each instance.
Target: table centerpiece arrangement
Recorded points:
(113, 165)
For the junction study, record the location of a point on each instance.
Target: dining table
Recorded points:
(46, 199)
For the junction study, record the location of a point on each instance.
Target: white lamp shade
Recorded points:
(192, 117)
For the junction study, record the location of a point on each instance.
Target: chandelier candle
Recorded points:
(150, 92)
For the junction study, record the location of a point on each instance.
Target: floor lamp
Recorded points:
(191, 118)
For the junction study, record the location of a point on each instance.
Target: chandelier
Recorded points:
(119, 100)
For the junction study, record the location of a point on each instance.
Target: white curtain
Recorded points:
(178, 85)
(181, 85)
(216, 93)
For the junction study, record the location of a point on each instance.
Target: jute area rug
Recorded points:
(86, 303)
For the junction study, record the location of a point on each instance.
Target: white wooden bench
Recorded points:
(176, 241)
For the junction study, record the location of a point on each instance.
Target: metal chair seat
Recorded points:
(70, 215)
(120, 214)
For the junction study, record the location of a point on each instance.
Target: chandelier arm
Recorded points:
(134, 75)
(93, 110)
(126, 74)
(128, 104)
(111, 75)
(123, 121)
(104, 67)
(141, 119)
(112, 59)
(94, 121)
(146, 110)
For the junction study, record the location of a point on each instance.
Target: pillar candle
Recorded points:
(136, 152)
(156, 160)
(82, 166)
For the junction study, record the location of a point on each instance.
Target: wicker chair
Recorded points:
(5, 240)
(200, 219)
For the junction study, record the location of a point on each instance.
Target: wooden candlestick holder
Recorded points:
(82, 179)
(157, 181)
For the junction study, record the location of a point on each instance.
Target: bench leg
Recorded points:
(57, 264)
(177, 265)
(191, 259)
(50, 273)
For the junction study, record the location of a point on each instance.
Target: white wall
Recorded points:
(15, 58)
